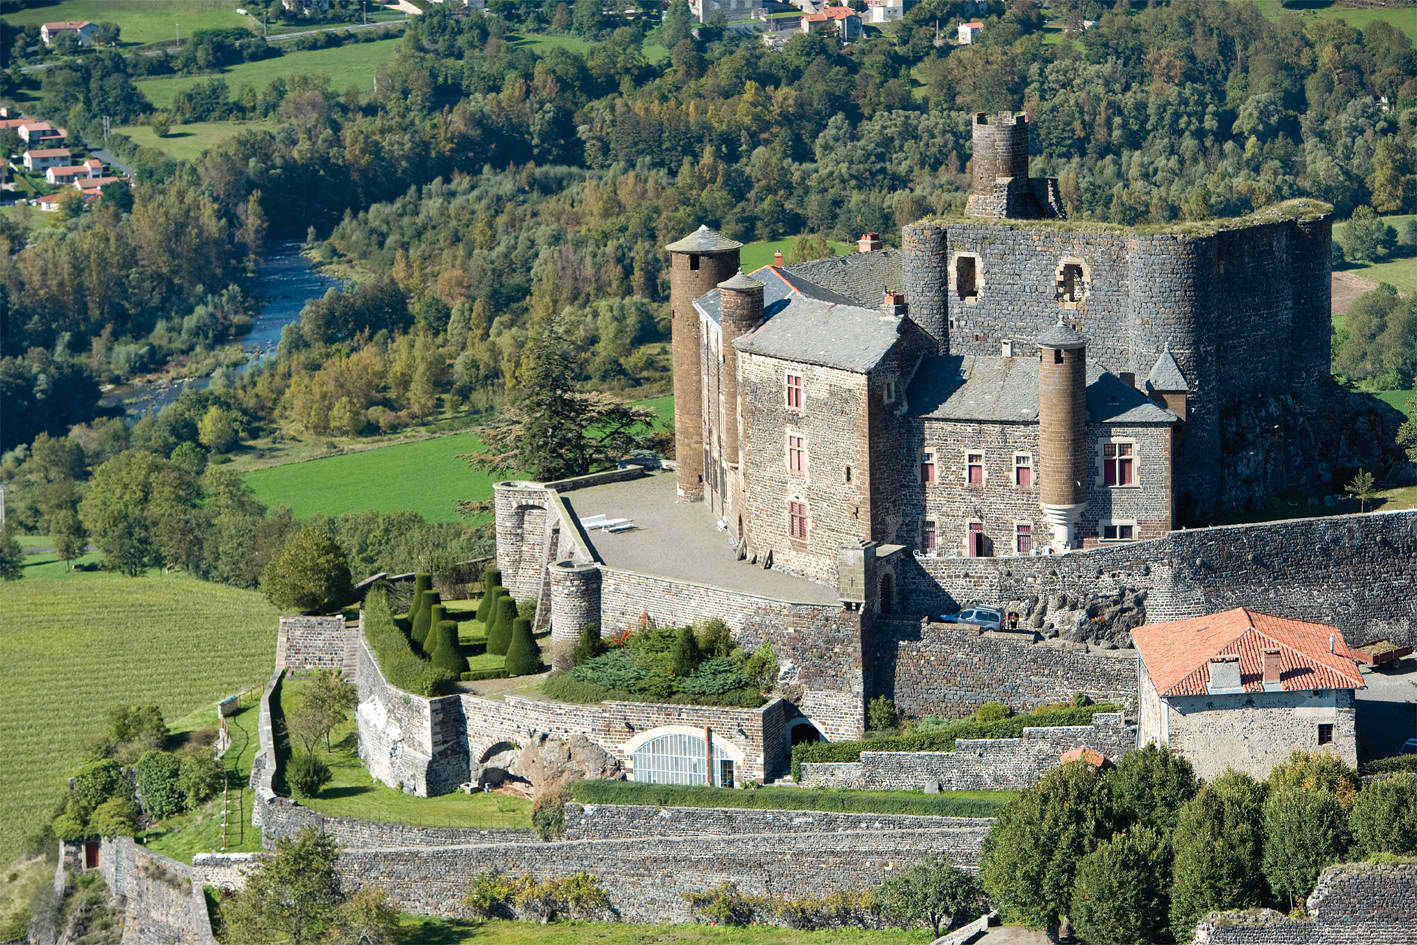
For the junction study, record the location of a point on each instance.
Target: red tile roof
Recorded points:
(48, 152)
(1177, 654)
(1092, 757)
(66, 25)
(975, 24)
(831, 13)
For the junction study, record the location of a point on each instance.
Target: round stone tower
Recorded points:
(741, 307)
(924, 269)
(575, 599)
(697, 263)
(1000, 149)
(1062, 431)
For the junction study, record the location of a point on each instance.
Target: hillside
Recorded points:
(75, 645)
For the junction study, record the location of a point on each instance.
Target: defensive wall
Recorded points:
(311, 643)
(161, 899)
(613, 821)
(977, 764)
(1352, 904)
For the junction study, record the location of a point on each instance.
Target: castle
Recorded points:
(1006, 384)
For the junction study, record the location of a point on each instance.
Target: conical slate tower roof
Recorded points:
(704, 240)
(1166, 375)
(741, 283)
(1061, 336)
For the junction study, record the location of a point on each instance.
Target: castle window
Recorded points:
(976, 545)
(794, 392)
(1023, 538)
(1070, 284)
(1325, 733)
(966, 283)
(1118, 531)
(1023, 470)
(797, 520)
(974, 468)
(848, 473)
(889, 392)
(927, 467)
(693, 262)
(796, 455)
(928, 541)
(1118, 464)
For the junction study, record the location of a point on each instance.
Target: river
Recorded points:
(285, 281)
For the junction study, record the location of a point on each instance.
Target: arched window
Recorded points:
(678, 758)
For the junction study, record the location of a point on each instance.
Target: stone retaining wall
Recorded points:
(285, 818)
(162, 905)
(611, 821)
(224, 870)
(310, 643)
(263, 763)
(977, 764)
(646, 878)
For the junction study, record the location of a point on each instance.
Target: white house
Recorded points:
(83, 29)
(68, 174)
(969, 31)
(41, 159)
(34, 132)
(1244, 690)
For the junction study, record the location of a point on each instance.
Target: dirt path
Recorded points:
(1346, 287)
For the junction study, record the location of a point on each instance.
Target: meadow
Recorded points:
(350, 66)
(1402, 17)
(760, 253)
(1399, 271)
(187, 142)
(139, 21)
(74, 645)
(653, 52)
(424, 476)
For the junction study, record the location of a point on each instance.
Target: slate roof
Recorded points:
(985, 387)
(740, 281)
(1177, 654)
(861, 277)
(1166, 375)
(1061, 336)
(703, 240)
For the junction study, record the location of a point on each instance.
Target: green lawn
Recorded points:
(31, 218)
(759, 254)
(1403, 17)
(187, 142)
(353, 793)
(425, 930)
(347, 66)
(424, 476)
(46, 565)
(139, 21)
(74, 646)
(1400, 272)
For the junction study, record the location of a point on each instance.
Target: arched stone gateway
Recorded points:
(801, 731)
(678, 754)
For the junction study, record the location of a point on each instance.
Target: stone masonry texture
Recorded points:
(161, 903)
(308, 643)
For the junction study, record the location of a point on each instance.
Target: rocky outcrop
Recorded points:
(549, 760)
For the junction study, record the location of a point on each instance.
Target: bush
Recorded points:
(1217, 843)
(422, 619)
(714, 677)
(992, 712)
(157, 774)
(614, 669)
(499, 635)
(437, 613)
(578, 896)
(548, 814)
(589, 644)
(841, 800)
(1396, 763)
(727, 905)
(713, 638)
(490, 594)
(115, 817)
(762, 668)
(932, 891)
(421, 582)
(96, 782)
(1384, 817)
(523, 656)
(1305, 829)
(306, 774)
(200, 777)
(401, 666)
(311, 574)
(881, 714)
(1120, 890)
(563, 688)
(475, 675)
(447, 653)
(686, 653)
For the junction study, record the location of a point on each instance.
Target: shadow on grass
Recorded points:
(350, 790)
(437, 931)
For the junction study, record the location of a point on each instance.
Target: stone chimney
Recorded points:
(1224, 674)
(893, 305)
(777, 259)
(1271, 670)
(869, 243)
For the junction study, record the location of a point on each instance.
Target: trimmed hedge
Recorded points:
(523, 656)
(943, 738)
(402, 667)
(840, 800)
(474, 675)
(1395, 763)
(447, 654)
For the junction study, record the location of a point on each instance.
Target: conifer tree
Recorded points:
(447, 654)
(499, 635)
(422, 618)
(523, 656)
(436, 615)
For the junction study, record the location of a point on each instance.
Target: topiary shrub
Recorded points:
(423, 619)
(686, 653)
(447, 654)
(306, 774)
(436, 615)
(589, 644)
(499, 634)
(523, 657)
(491, 589)
(421, 583)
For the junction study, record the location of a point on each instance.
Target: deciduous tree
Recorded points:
(1218, 842)
(311, 574)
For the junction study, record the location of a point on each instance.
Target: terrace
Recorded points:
(679, 540)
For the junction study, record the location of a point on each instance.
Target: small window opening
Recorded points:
(1023, 470)
(1118, 532)
(928, 536)
(1129, 378)
(693, 262)
(975, 464)
(794, 391)
(927, 467)
(965, 282)
(796, 455)
(848, 473)
(1006, 349)
(1070, 284)
(1024, 539)
(1325, 733)
(1117, 462)
(797, 520)
(890, 392)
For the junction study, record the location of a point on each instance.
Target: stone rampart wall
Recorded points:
(978, 764)
(162, 904)
(1352, 904)
(646, 878)
(612, 821)
(285, 818)
(224, 870)
(263, 763)
(950, 670)
(309, 643)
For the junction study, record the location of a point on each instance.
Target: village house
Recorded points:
(39, 160)
(843, 21)
(35, 132)
(83, 29)
(1244, 690)
(888, 11)
(705, 10)
(968, 32)
(68, 174)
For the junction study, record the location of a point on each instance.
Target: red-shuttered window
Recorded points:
(927, 467)
(796, 455)
(1118, 464)
(974, 471)
(797, 520)
(1023, 470)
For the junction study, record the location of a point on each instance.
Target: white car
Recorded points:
(990, 618)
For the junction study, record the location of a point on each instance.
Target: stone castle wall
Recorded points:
(161, 903)
(611, 821)
(283, 818)
(977, 764)
(309, 643)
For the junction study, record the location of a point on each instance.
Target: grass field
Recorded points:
(426, 930)
(187, 142)
(424, 476)
(31, 218)
(139, 21)
(1401, 273)
(759, 254)
(1404, 18)
(348, 66)
(75, 646)
(353, 793)
(653, 52)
